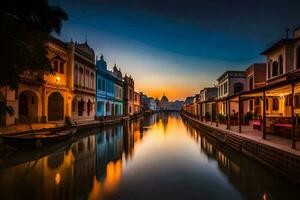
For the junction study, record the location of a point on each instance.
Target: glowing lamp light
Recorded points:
(57, 79)
(57, 178)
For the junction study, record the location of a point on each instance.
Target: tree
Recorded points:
(25, 28)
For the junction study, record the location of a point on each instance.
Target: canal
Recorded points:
(158, 157)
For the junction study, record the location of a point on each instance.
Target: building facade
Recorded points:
(109, 96)
(255, 78)
(137, 103)
(128, 95)
(230, 83)
(84, 84)
(207, 94)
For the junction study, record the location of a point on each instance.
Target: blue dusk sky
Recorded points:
(177, 47)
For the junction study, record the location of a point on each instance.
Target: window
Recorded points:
(225, 88)
(298, 57)
(107, 107)
(238, 87)
(280, 61)
(251, 84)
(76, 75)
(92, 81)
(99, 84)
(267, 104)
(55, 65)
(80, 107)
(257, 101)
(275, 104)
(275, 69)
(61, 67)
(269, 69)
(81, 77)
(288, 100)
(103, 85)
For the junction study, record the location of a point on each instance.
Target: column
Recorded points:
(293, 117)
(217, 114)
(264, 116)
(201, 117)
(239, 115)
(228, 114)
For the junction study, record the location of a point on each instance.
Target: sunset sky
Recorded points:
(178, 47)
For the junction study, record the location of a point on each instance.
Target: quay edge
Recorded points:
(282, 162)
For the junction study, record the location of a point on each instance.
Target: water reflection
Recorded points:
(157, 157)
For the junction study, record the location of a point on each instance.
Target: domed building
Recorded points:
(164, 103)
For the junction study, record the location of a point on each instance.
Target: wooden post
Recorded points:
(228, 114)
(239, 115)
(211, 113)
(264, 117)
(217, 114)
(201, 119)
(292, 114)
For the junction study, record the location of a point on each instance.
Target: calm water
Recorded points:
(159, 157)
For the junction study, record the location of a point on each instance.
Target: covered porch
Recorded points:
(274, 116)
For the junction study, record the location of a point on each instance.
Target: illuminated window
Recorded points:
(275, 104)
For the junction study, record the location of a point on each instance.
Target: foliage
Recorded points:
(221, 118)
(207, 116)
(249, 115)
(28, 25)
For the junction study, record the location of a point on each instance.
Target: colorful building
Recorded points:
(137, 102)
(109, 96)
(128, 95)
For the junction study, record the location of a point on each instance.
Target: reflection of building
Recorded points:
(109, 145)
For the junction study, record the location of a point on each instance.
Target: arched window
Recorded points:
(269, 69)
(298, 58)
(275, 69)
(238, 87)
(280, 62)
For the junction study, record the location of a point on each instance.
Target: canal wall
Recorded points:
(282, 162)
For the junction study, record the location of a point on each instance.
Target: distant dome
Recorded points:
(164, 98)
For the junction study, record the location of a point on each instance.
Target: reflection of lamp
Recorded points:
(57, 178)
(57, 79)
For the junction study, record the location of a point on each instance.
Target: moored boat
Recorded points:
(40, 138)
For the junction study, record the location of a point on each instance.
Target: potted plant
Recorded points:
(207, 116)
(249, 118)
